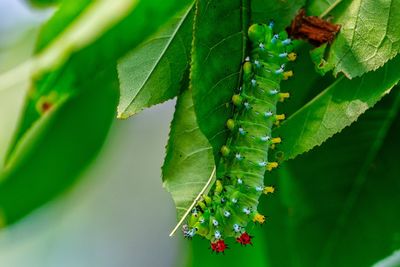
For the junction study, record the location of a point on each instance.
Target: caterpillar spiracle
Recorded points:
(232, 202)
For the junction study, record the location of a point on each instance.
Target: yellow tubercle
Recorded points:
(283, 96)
(230, 124)
(259, 218)
(201, 229)
(292, 56)
(269, 190)
(280, 117)
(207, 199)
(271, 165)
(237, 100)
(276, 140)
(218, 187)
(287, 74)
(225, 151)
(247, 69)
(201, 205)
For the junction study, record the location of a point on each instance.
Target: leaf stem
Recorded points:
(330, 8)
(194, 202)
(16, 75)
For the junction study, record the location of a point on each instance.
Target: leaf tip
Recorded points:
(123, 115)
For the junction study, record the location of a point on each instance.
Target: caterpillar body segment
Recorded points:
(233, 200)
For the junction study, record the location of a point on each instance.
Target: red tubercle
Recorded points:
(244, 239)
(219, 246)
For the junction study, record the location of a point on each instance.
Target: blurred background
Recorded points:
(99, 221)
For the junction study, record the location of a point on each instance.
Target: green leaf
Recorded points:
(56, 150)
(369, 36)
(282, 12)
(218, 50)
(84, 38)
(189, 159)
(305, 84)
(63, 17)
(318, 57)
(339, 105)
(338, 204)
(153, 72)
(317, 8)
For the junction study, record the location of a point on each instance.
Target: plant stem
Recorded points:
(330, 8)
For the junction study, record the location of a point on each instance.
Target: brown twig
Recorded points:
(314, 29)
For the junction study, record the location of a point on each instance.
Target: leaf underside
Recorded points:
(189, 159)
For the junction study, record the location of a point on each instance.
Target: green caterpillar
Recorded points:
(232, 202)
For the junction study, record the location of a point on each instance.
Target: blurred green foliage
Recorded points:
(337, 205)
(58, 148)
(87, 65)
